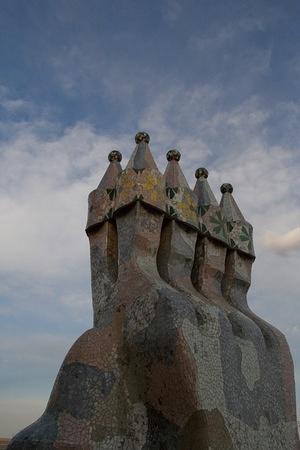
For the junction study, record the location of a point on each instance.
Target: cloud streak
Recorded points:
(286, 242)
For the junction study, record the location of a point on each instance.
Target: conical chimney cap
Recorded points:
(204, 194)
(231, 211)
(141, 157)
(114, 169)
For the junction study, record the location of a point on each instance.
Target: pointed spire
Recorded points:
(173, 174)
(141, 180)
(101, 200)
(211, 219)
(113, 171)
(205, 196)
(181, 201)
(141, 157)
(229, 206)
(240, 231)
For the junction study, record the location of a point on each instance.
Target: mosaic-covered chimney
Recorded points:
(176, 359)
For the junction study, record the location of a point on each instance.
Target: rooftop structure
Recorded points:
(176, 359)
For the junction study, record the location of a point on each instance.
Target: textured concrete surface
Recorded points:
(176, 359)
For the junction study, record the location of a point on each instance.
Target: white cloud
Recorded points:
(285, 242)
(43, 197)
(77, 70)
(177, 118)
(13, 105)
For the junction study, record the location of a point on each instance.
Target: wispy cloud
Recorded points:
(225, 34)
(171, 9)
(283, 243)
(13, 105)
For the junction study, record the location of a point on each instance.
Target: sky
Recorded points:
(218, 80)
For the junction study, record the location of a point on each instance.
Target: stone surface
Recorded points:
(176, 359)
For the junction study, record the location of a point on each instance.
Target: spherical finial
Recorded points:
(226, 187)
(142, 136)
(201, 172)
(115, 155)
(173, 154)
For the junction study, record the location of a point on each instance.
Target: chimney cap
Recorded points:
(173, 155)
(115, 155)
(201, 172)
(142, 136)
(226, 187)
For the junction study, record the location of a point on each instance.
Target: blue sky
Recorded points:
(218, 80)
